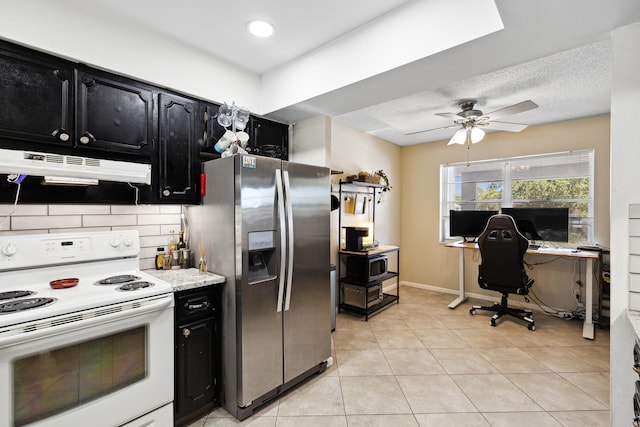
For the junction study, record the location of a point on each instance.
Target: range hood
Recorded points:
(48, 164)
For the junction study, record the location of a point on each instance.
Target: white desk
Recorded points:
(587, 328)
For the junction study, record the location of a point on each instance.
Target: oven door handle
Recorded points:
(80, 320)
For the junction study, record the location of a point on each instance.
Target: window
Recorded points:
(547, 180)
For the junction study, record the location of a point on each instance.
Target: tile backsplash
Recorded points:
(154, 223)
(634, 257)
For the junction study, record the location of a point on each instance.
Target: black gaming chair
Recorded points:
(502, 249)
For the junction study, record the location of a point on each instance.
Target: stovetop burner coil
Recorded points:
(15, 294)
(116, 280)
(24, 304)
(134, 286)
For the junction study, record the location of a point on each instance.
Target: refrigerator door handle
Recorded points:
(287, 194)
(283, 239)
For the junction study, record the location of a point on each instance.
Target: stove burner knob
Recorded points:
(9, 249)
(115, 242)
(127, 241)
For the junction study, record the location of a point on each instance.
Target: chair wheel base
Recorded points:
(500, 310)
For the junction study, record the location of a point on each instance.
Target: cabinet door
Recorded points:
(113, 115)
(36, 97)
(269, 138)
(212, 130)
(195, 373)
(178, 156)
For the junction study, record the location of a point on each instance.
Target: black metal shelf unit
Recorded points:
(372, 298)
(358, 296)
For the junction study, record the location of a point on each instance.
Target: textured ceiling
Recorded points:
(566, 85)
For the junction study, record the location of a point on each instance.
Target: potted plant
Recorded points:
(385, 182)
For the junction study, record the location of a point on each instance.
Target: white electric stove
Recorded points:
(65, 297)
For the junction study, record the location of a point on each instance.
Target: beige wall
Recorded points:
(353, 151)
(427, 262)
(312, 142)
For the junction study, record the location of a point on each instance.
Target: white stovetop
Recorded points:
(83, 296)
(31, 262)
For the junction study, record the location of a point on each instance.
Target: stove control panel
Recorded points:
(29, 251)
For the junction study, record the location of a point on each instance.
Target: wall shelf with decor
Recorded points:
(363, 267)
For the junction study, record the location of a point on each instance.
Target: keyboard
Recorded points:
(557, 250)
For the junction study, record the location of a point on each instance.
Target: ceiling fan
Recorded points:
(471, 121)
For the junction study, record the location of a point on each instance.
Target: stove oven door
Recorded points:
(104, 367)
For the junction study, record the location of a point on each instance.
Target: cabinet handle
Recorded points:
(87, 138)
(60, 75)
(186, 332)
(206, 116)
(204, 304)
(205, 137)
(61, 134)
(166, 192)
(88, 82)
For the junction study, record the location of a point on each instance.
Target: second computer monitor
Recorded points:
(544, 224)
(468, 224)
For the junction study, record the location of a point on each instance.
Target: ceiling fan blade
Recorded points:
(452, 116)
(510, 127)
(520, 107)
(429, 130)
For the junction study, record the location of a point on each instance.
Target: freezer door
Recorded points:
(257, 278)
(307, 312)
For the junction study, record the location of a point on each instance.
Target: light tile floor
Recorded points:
(420, 363)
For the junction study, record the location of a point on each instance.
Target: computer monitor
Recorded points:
(545, 224)
(468, 224)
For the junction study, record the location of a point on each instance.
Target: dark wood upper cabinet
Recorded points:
(208, 131)
(51, 104)
(178, 171)
(36, 97)
(267, 138)
(113, 115)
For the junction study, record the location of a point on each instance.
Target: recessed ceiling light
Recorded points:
(260, 28)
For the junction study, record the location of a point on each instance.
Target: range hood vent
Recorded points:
(41, 164)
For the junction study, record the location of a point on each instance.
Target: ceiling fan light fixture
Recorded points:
(460, 137)
(476, 134)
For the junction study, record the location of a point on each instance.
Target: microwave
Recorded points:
(362, 296)
(367, 269)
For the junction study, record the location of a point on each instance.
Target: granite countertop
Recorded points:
(190, 278)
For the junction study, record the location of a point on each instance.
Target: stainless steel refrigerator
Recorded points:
(264, 225)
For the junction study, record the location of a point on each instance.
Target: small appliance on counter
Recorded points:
(367, 269)
(354, 237)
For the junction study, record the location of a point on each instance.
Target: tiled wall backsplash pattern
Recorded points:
(634, 256)
(154, 223)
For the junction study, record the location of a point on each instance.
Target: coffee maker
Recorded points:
(354, 237)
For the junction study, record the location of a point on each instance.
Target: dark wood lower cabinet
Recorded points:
(197, 350)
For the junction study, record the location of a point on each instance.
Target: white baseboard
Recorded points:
(521, 304)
